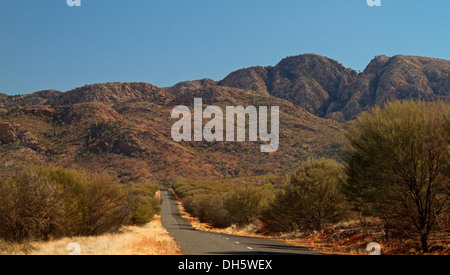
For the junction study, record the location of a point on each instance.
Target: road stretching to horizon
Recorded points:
(194, 242)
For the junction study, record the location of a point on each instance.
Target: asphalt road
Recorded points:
(193, 242)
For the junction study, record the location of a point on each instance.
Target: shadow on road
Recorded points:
(193, 242)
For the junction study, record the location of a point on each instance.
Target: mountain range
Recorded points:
(326, 88)
(124, 128)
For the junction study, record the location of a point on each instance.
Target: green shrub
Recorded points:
(144, 205)
(282, 214)
(200, 206)
(396, 162)
(212, 201)
(73, 186)
(209, 209)
(143, 209)
(244, 204)
(147, 189)
(313, 199)
(187, 205)
(218, 216)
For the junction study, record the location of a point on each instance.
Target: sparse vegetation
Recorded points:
(31, 207)
(225, 202)
(243, 205)
(392, 188)
(40, 203)
(134, 134)
(395, 161)
(143, 203)
(313, 199)
(112, 138)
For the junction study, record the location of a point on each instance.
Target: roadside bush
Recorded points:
(144, 209)
(209, 209)
(200, 206)
(31, 207)
(39, 203)
(143, 203)
(107, 206)
(146, 189)
(243, 205)
(282, 214)
(94, 203)
(73, 187)
(187, 205)
(218, 217)
(313, 198)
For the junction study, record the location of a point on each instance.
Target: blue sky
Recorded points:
(47, 45)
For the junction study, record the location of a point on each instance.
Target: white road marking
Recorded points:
(250, 248)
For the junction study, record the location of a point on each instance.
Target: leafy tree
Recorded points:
(244, 205)
(394, 162)
(313, 198)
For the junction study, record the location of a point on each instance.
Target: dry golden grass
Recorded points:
(151, 239)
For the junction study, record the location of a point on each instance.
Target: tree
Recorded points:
(320, 188)
(313, 198)
(244, 205)
(394, 162)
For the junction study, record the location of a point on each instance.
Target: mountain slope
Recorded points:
(131, 137)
